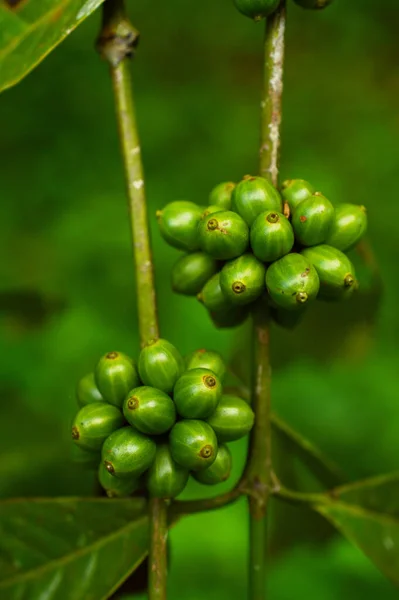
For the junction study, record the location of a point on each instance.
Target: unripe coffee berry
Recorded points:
(349, 226)
(230, 317)
(242, 280)
(292, 282)
(115, 375)
(193, 444)
(127, 453)
(160, 365)
(197, 393)
(271, 236)
(232, 419)
(335, 270)
(219, 471)
(212, 296)
(149, 410)
(256, 9)
(313, 4)
(94, 423)
(206, 359)
(178, 223)
(294, 191)
(87, 391)
(115, 487)
(253, 196)
(223, 235)
(165, 478)
(210, 210)
(191, 272)
(312, 220)
(221, 195)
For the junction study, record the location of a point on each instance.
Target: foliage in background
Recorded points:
(66, 242)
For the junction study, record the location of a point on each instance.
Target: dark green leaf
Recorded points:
(69, 548)
(367, 513)
(30, 29)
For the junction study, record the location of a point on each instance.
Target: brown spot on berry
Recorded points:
(109, 466)
(209, 381)
(112, 355)
(206, 451)
(238, 287)
(75, 433)
(133, 403)
(212, 224)
(303, 219)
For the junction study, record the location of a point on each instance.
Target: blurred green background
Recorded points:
(67, 293)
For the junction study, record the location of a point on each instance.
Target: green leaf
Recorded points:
(69, 548)
(367, 513)
(31, 29)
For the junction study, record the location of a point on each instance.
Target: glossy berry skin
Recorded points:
(212, 296)
(313, 4)
(271, 236)
(94, 423)
(312, 220)
(253, 196)
(127, 453)
(197, 393)
(294, 191)
(87, 391)
(210, 210)
(221, 195)
(178, 223)
(165, 478)
(149, 410)
(349, 226)
(256, 9)
(160, 365)
(193, 444)
(219, 471)
(242, 280)
(223, 235)
(191, 272)
(232, 419)
(115, 487)
(335, 271)
(292, 282)
(88, 459)
(230, 317)
(206, 359)
(115, 375)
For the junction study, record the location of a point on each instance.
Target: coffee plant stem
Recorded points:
(259, 468)
(116, 44)
(186, 507)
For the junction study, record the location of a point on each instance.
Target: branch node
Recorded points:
(118, 38)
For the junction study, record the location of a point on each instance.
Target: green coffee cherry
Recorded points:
(89, 459)
(335, 271)
(230, 317)
(193, 444)
(115, 487)
(206, 359)
(223, 235)
(242, 280)
(212, 296)
(197, 393)
(253, 196)
(210, 210)
(94, 423)
(256, 9)
(221, 195)
(349, 226)
(127, 453)
(115, 375)
(87, 392)
(160, 365)
(149, 410)
(313, 4)
(292, 282)
(191, 272)
(178, 223)
(232, 419)
(219, 471)
(288, 319)
(271, 236)
(165, 478)
(312, 220)
(294, 191)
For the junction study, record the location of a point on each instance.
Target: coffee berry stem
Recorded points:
(116, 44)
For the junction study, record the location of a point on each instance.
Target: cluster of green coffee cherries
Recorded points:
(253, 244)
(259, 9)
(148, 425)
